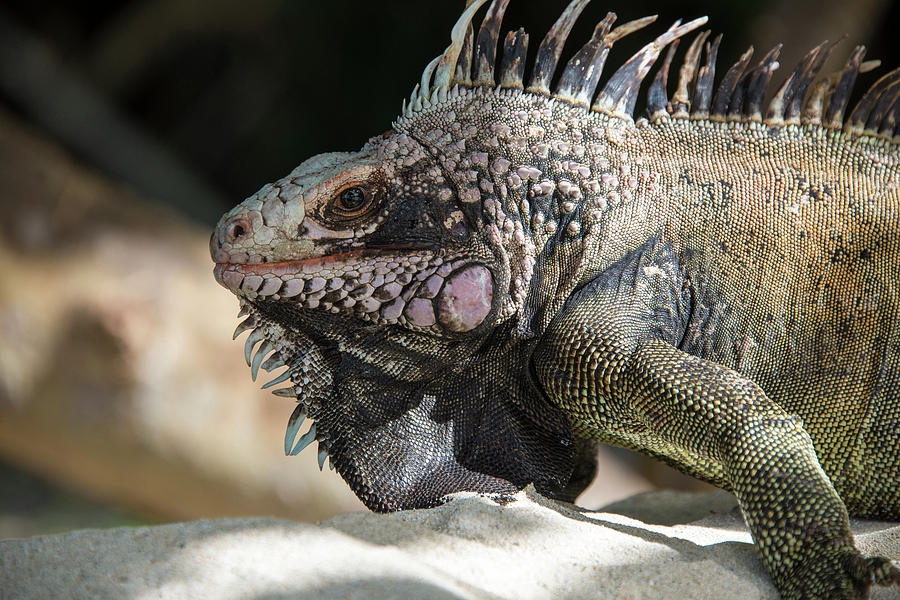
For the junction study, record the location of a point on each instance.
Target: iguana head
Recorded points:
(376, 236)
(363, 274)
(394, 284)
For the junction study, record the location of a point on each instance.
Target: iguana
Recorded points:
(513, 273)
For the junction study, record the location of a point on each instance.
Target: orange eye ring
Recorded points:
(352, 200)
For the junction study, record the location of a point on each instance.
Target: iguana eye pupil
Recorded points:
(352, 199)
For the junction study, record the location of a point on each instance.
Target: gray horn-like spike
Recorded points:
(551, 47)
(293, 426)
(620, 93)
(443, 75)
(322, 455)
(580, 77)
(729, 84)
(245, 325)
(759, 81)
(512, 65)
(288, 392)
(424, 87)
(657, 94)
(261, 353)
(273, 362)
(705, 79)
(283, 377)
(486, 44)
(305, 440)
(834, 115)
(254, 338)
(681, 100)
(415, 99)
(589, 85)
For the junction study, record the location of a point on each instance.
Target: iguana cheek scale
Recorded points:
(512, 274)
(458, 300)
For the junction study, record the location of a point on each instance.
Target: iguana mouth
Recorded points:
(318, 262)
(419, 289)
(289, 278)
(404, 284)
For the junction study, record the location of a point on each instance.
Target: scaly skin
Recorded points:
(476, 297)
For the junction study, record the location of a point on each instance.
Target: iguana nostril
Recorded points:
(236, 229)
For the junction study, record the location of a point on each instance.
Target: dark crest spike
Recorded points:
(583, 70)
(446, 67)
(888, 98)
(551, 47)
(681, 101)
(812, 113)
(759, 81)
(737, 97)
(891, 124)
(704, 87)
(795, 106)
(620, 92)
(589, 85)
(815, 105)
(856, 123)
(729, 84)
(486, 44)
(834, 116)
(791, 87)
(657, 96)
(512, 66)
(889, 120)
(464, 62)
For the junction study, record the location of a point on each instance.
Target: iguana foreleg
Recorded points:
(619, 384)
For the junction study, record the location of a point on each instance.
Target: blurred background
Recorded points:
(126, 128)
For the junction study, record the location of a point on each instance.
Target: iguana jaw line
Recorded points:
(316, 264)
(399, 284)
(260, 278)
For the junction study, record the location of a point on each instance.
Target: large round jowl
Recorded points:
(465, 301)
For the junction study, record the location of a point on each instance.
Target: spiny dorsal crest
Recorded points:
(472, 62)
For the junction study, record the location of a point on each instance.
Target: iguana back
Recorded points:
(788, 237)
(801, 261)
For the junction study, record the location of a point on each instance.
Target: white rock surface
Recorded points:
(470, 548)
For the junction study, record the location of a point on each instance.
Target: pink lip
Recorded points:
(290, 266)
(308, 265)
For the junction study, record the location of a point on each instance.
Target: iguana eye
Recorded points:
(352, 201)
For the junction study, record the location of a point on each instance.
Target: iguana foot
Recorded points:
(885, 572)
(844, 575)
